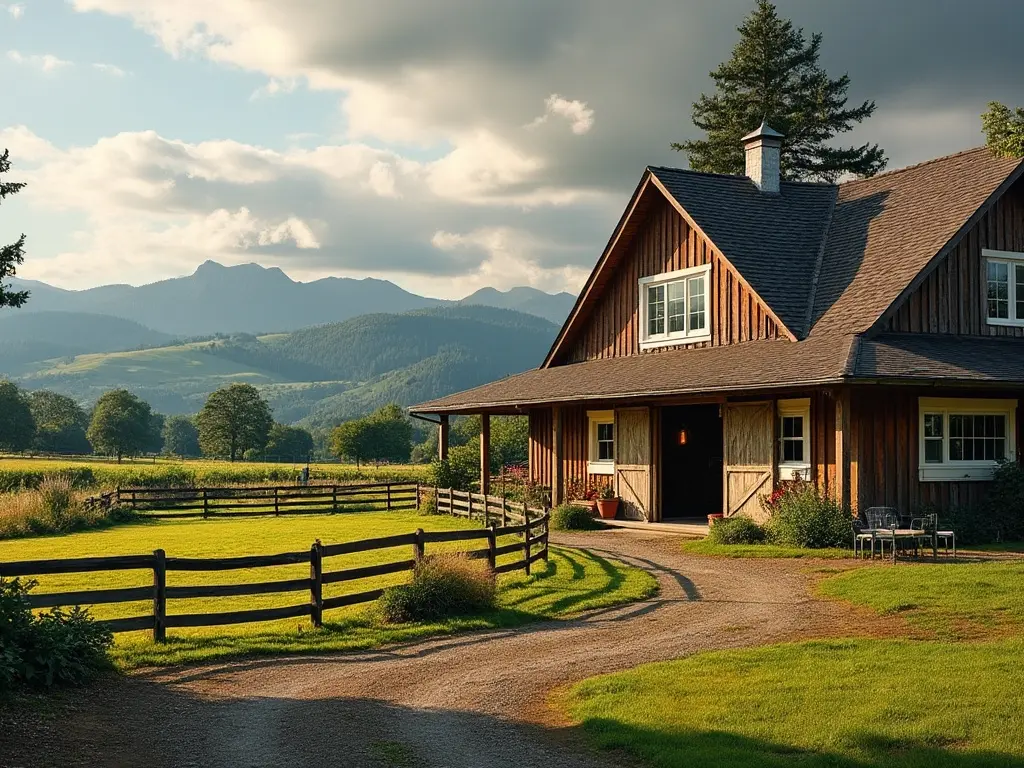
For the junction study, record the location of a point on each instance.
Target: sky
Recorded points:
(444, 145)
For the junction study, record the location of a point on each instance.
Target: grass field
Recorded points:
(705, 547)
(571, 582)
(845, 704)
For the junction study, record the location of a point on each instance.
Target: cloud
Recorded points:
(579, 115)
(45, 62)
(16, 10)
(110, 69)
(275, 87)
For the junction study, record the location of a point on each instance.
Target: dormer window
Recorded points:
(1004, 273)
(675, 307)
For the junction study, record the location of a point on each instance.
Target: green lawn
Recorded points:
(705, 547)
(571, 582)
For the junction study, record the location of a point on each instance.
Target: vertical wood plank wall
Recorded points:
(540, 446)
(953, 297)
(823, 441)
(665, 243)
(575, 435)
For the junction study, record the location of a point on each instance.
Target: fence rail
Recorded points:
(241, 501)
(532, 526)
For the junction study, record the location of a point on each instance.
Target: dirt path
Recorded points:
(477, 700)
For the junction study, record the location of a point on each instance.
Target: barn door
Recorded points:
(633, 461)
(749, 443)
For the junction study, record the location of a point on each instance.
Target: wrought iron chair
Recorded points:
(861, 536)
(930, 525)
(881, 520)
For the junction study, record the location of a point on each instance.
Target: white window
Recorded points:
(1004, 276)
(674, 307)
(601, 452)
(794, 439)
(965, 439)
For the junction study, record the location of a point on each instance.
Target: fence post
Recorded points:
(206, 504)
(334, 498)
(388, 486)
(504, 513)
(316, 584)
(492, 545)
(547, 532)
(417, 495)
(526, 537)
(159, 596)
(277, 509)
(469, 512)
(417, 545)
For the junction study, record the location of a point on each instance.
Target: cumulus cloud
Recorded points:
(46, 62)
(16, 10)
(579, 115)
(110, 69)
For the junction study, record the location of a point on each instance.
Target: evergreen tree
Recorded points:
(17, 427)
(234, 420)
(774, 76)
(122, 424)
(11, 256)
(181, 438)
(1004, 129)
(60, 423)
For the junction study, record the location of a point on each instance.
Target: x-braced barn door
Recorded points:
(633, 461)
(749, 457)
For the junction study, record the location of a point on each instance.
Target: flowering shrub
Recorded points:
(799, 516)
(581, 490)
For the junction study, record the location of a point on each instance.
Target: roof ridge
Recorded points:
(915, 166)
(738, 176)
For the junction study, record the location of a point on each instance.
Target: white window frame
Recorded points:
(594, 466)
(961, 406)
(1012, 260)
(649, 341)
(797, 407)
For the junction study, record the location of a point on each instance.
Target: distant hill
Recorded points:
(27, 337)
(250, 298)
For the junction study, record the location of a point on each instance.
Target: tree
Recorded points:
(121, 424)
(60, 423)
(350, 440)
(155, 439)
(1004, 129)
(181, 438)
(235, 419)
(384, 435)
(287, 442)
(774, 76)
(17, 427)
(510, 439)
(11, 256)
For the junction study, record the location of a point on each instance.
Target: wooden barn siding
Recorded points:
(574, 447)
(665, 243)
(886, 424)
(823, 441)
(540, 446)
(953, 297)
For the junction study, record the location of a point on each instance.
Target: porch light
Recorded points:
(682, 436)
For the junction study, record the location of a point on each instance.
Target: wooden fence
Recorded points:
(530, 524)
(241, 501)
(477, 506)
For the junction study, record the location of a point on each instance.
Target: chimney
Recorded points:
(762, 148)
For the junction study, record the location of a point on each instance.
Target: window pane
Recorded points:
(697, 307)
(956, 426)
(676, 307)
(1020, 292)
(956, 449)
(933, 425)
(792, 426)
(998, 290)
(932, 451)
(656, 310)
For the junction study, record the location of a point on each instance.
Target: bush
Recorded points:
(442, 586)
(736, 530)
(573, 517)
(802, 517)
(53, 648)
(428, 503)
(54, 507)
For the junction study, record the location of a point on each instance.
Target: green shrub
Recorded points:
(573, 517)
(52, 648)
(428, 503)
(736, 530)
(54, 507)
(799, 516)
(461, 470)
(443, 586)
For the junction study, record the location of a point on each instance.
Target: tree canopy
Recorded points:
(234, 419)
(122, 424)
(13, 255)
(384, 435)
(1004, 129)
(774, 76)
(289, 443)
(181, 438)
(17, 427)
(60, 423)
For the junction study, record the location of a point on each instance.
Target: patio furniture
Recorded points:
(930, 524)
(880, 519)
(862, 536)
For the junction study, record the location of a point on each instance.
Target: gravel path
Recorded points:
(477, 700)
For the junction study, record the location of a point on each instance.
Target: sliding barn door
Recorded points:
(749, 457)
(633, 461)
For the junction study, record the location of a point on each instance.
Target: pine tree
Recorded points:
(11, 256)
(1004, 129)
(774, 76)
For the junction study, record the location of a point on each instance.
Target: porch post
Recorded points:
(485, 454)
(556, 456)
(844, 437)
(442, 437)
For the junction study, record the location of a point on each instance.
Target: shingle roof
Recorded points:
(773, 240)
(754, 364)
(937, 356)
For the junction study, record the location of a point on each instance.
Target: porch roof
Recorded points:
(940, 357)
(754, 365)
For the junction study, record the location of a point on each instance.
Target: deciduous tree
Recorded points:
(1004, 129)
(235, 419)
(17, 427)
(121, 424)
(13, 255)
(181, 438)
(60, 423)
(774, 76)
(290, 443)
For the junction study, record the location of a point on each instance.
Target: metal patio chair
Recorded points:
(881, 520)
(930, 524)
(861, 536)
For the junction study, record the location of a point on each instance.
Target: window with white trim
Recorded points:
(601, 450)
(1004, 280)
(794, 456)
(674, 307)
(964, 439)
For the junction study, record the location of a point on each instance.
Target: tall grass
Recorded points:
(54, 507)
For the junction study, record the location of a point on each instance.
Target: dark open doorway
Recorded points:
(691, 468)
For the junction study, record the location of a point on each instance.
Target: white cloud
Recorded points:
(579, 115)
(16, 10)
(110, 69)
(45, 62)
(275, 87)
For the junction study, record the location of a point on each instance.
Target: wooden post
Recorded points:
(469, 512)
(492, 545)
(277, 509)
(504, 512)
(547, 531)
(316, 584)
(387, 486)
(417, 546)
(206, 504)
(526, 537)
(334, 498)
(843, 435)
(159, 596)
(556, 456)
(443, 429)
(417, 496)
(437, 501)
(485, 456)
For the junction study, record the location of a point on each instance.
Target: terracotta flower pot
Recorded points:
(712, 519)
(608, 508)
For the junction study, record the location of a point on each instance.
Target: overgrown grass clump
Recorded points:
(55, 506)
(573, 517)
(443, 586)
(736, 530)
(802, 516)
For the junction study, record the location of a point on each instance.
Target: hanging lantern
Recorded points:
(682, 436)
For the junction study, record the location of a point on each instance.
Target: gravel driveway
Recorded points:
(477, 700)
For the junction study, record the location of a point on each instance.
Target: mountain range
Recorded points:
(250, 298)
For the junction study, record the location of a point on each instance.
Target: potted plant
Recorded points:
(582, 494)
(607, 503)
